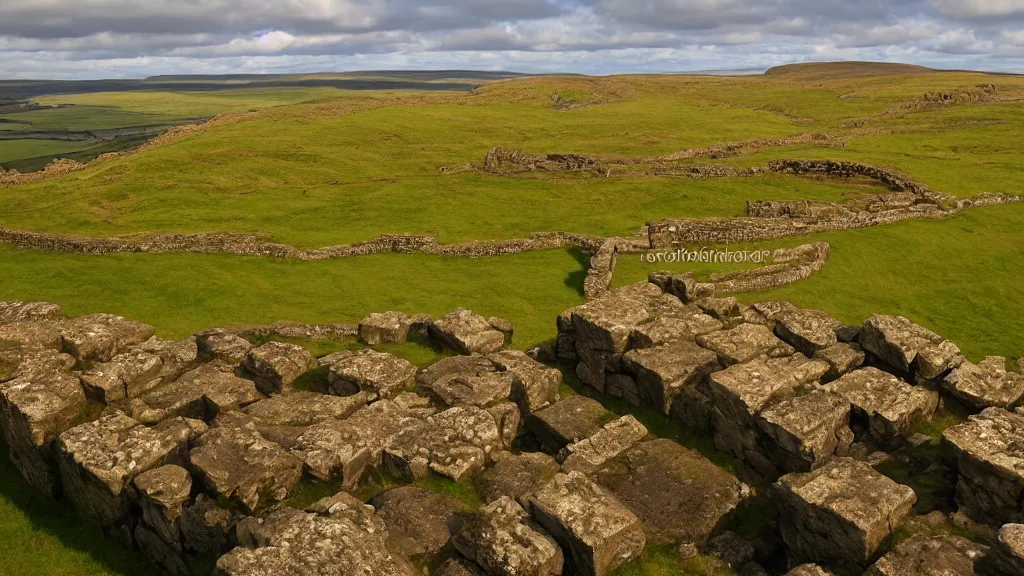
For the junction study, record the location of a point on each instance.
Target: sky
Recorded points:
(86, 39)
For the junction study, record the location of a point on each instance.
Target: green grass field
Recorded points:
(320, 167)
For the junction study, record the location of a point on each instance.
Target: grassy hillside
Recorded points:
(321, 166)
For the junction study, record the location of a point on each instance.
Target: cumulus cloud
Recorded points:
(120, 38)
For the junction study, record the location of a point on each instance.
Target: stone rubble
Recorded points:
(275, 365)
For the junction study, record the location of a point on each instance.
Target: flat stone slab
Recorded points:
(100, 337)
(598, 531)
(305, 408)
(454, 443)
(516, 475)
(502, 539)
(888, 405)
(385, 328)
(605, 323)
(743, 390)
(295, 542)
(807, 330)
(534, 385)
(239, 464)
(127, 375)
(177, 356)
(944, 555)
(567, 421)
(219, 344)
(467, 380)
(11, 312)
(679, 495)
(806, 431)
(840, 512)
(986, 384)
(99, 459)
(842, 359)
(592, 453)
(467, 332)
(35, 408)
(419, 523)
(988, 451)
(908, 347)
(662, 372)
(378, 373)
(202, 394)
(275, 365)
(346, 448)
(33, 333)
(808, 570)
(744, 343)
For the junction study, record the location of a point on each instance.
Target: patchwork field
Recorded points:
(319, 166)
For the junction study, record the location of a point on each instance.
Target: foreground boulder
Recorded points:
(987, 451)
(200, 394)
(567, 421)
(379, 374)
(986, 384)
(908, 347)
(467, 333)
(840, 513)
(419, 522)
(275, 365)
(471, 380)
(161, 493)
(222, 345)
(599, 532)
(237, 463)
(11, 312)
(809, 331)
(126, 376)
(929, 556)
(1006, 558)
(803, 432)
(99, 459)
(454, 443)
(385, 328)
(501, 538)
(592, 453)
(664, 371)
(294, 542)
(534, 385)
(679, 495)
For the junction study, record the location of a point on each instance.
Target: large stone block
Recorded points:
(889, 406)
(207, 528)
(201, 394)
(177, 356)
(662, 372)
(929, 556)
(454, 443)
(100, 337)
(840, 513)
(419, 523)
(275, 365)
(908, 347)
(534, 385)
(237, 463)
(599, 532)
(33, 333)
(380, 374)
(501, 538)
(294, 542)
(219, 344)
(12, 312)
(807, 330)
(744, 343)
(467, 380)
(516, 475)
(98, 460)
(161, 494)
(467, 333)
(802, 433)
(986, 384)
(988, 451)
(385, 328)
(679, 495)
(127, 375)
(304, 408)
(592, 453)
(567, 421)
(842, 359)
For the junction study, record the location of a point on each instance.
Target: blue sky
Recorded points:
(135, 38)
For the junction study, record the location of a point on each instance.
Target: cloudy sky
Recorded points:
(135, 38)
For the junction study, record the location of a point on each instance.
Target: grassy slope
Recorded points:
(18, 149)
(275, 173)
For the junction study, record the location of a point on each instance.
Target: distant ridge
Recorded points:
(832, 70)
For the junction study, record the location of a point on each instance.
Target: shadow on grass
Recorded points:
(576, 278)
(35, 540)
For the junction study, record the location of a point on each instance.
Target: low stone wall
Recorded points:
(253, 245)
(894, 180)
(791, 265)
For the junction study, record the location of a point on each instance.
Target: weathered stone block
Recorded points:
(842, 359)
(889, 406)
(12, 312)
(516, 475)
(898, 342)
(742, 343)
(567, 421)
(986, 384)
(200, 394)
(807, 330)
(100, 337)
(304, 408)
(161, 494)
(418, 522)
(177, 356)
(470, 380)
(207, 528)
(929, 556)
(501, 538)
(275, 365)
(97, 460)
(600, 533)
(127, 375)
(385, 328)
(33, 334)
(219, 344)
(988, 451)
(663, 371)
(590, 454)
(534, 385)
(841, 512)
(238, 464)
(679, 495)
(377, 373)
(454, 443)
(802, 433)
(467, 333)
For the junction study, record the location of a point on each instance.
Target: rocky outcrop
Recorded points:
(467, 333)
(985, 384)
(909, 348)
(503, 540)
(275, 365)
